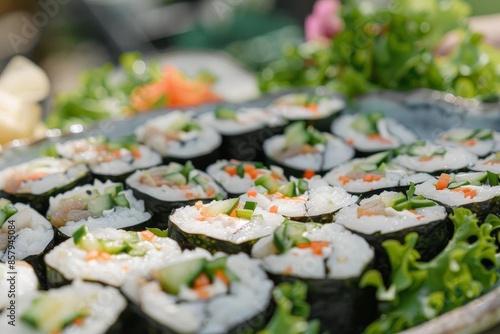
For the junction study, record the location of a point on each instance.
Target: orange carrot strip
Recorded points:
(344, 179)
(309, 173)
(220, 275)
(231, 170)
(251, 193)
(92, 255)
(201, 281)
(273, 209)
(443, 181)
(147, 235)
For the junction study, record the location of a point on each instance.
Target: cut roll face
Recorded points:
(480, 142)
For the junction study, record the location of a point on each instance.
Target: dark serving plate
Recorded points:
(426, 112)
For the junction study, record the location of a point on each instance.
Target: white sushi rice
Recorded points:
(490, 163)
(457, 198)
(226, 228)
(172, 194)
(59, 173)
(32, 234)
(246, 297)
(394, 134)
(393, 176)
(105, 304)
(25, 282)
(329, 155)
(119, 217)
(320, 198)
(392, 221)
(287, 108)
(70, 260)
(477, 147)
(347, 255)
(454, 158)
(248, 120)
(128, 163)
(154, 133)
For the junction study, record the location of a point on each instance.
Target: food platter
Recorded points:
(426, 112)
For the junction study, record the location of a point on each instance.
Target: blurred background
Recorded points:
(66, 36)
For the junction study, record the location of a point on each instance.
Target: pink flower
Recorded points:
(324, 22)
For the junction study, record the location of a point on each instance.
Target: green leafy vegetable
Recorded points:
(158, 232)
(392, 46)
(420, 291)
(290, 316)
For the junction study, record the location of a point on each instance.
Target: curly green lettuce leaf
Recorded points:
(292, 311)
(420, 291)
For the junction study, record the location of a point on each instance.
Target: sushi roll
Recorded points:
(301, 200)
(202, 294)
(372, 175)
(331, 261)
(25, 280)
(109, 159)
(97, 205)
(180, 138)
(480, 142)
(228, 226)
(168, 187)
(476, 191)
(371, 133)
(35, 181)
(430, 158)
(490, 163)
(107, 255)
(24, 235)
(392, 215)
(243, 130)
(316, 110)
(304, 148)
(236, 177)
(78, 308)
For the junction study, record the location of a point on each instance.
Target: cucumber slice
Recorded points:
(136, 249)
(121, 200)
(484, 134)
(226, 113)
(88, 242)
(249, 205)
(10, 210)
(244, 213)
(240, 170)
(269, 182)
(492, 178)
(302, 186)
(4, 202)
(222, 207)
(51, 314)
(367, 167)
(176, 178)
(288, 189)
(417, 203)
(392, 199)
(364, 124)
(315, 137)
(3, 217)
(454, 185)
(173, 277)
(378, 158)
(296, 134)
(79, 234)
(114, 189)
(97, 205)
(131, 237)
(288, 235)
(198, 179)
(113, 246)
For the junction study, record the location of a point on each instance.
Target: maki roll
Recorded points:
(78, 308)
(228, 226)
(107, 255)
(25, 279)
(331, 261)
(490, 163)
(243, 130)
(300, 199)
(179, 138)
(24, 235)
(372, 175)
(109, 159)
(427, 157)
(392, 215)
(35, 181)
(304, 148)
(477, 191)
(202, 294)
(316, 110)
(236, 177)
(168, 187)
(371, 133)
(97, 206)
(480, 142)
